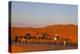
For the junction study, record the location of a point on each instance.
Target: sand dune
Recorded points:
(68, 31)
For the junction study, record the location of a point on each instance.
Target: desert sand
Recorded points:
(67, 31)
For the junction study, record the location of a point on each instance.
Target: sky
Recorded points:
(28, 14)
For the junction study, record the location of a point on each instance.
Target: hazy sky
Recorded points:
(26, 14)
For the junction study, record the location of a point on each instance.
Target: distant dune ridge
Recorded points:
(69, 31)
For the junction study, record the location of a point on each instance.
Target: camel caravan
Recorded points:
(41, 38)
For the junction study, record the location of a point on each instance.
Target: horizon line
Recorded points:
(43, 26)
